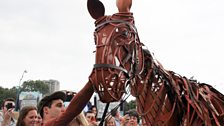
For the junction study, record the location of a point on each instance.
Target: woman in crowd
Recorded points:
(110, 121)
(94, 110)
(27, 116)
(39, 120)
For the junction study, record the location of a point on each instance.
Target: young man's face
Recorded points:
(57, 107)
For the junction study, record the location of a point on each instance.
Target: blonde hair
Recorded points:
(108, 118)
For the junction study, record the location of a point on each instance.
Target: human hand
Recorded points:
(7, 117)
(9, 114)
(124, 119)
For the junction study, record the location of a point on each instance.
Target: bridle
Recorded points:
(134, 56)
(132, 53)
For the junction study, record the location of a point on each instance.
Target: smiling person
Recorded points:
(27, 116)
(7, 116)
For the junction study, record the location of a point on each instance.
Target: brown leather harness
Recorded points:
(163, 97)
(102, 67)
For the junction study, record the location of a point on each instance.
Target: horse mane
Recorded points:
(171, 99)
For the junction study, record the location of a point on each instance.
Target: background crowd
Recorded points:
(52, 110)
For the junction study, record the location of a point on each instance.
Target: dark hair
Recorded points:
(93, 106)
(7, 99)
(48, 100)
(89, 111)
(47, 104)
(23, 113)
(133, 113)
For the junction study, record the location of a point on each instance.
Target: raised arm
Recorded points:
(75, 107)
(124, 5)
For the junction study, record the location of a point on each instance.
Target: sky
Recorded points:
(53, 39)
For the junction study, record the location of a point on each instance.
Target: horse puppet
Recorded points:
(163, 97)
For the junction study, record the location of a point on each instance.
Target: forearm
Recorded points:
(75, 107)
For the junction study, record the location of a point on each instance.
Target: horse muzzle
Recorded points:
(109, 82)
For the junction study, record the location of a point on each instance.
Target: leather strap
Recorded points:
(110, 66)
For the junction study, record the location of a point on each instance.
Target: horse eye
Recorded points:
(125, 33)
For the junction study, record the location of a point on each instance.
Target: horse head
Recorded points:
(119, 55)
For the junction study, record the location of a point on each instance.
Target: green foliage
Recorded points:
(37, 85)
(26, 86)
(7, 93)
(129, 105)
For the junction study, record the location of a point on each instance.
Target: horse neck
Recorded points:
(170, 99)
(155, 101)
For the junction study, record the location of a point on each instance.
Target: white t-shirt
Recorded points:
(12, 122)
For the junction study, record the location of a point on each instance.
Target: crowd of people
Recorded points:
(52, 111)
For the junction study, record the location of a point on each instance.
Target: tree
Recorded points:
(37, 85)
(129, 105)
(7, 93)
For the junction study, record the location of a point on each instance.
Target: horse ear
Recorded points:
(124, 5)
(95, 8)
